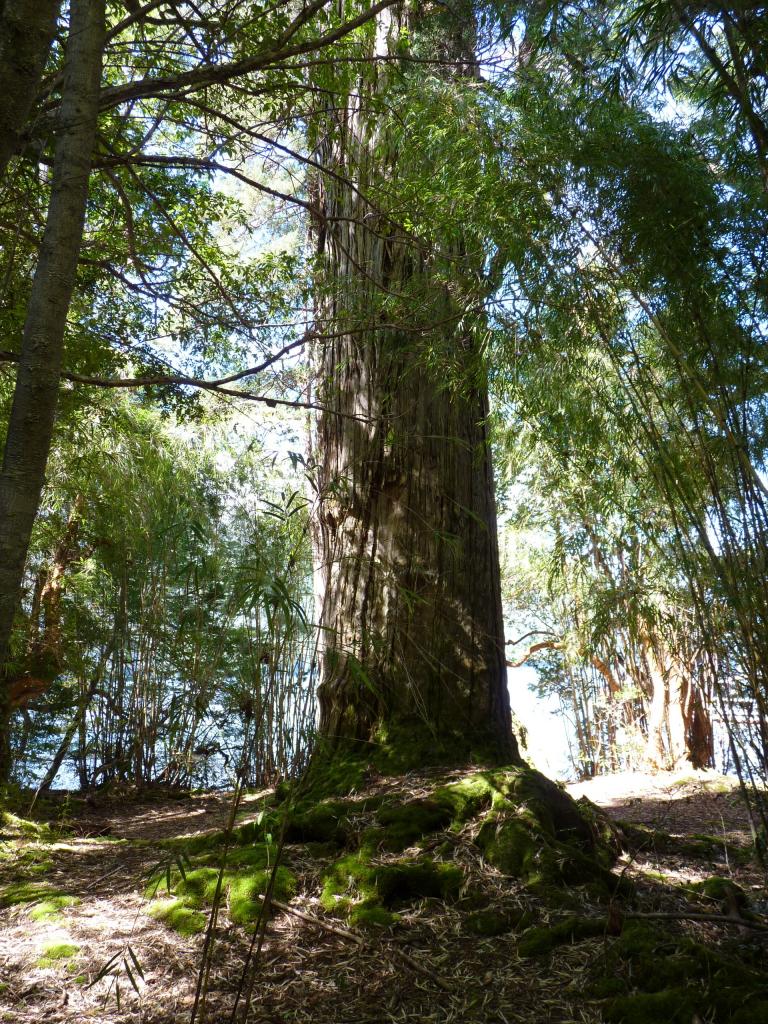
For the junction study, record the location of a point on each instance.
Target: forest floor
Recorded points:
(73, 892)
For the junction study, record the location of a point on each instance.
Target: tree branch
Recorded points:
(216, 386)
(552, 645)
(201, 77)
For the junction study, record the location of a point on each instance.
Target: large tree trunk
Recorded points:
(408, 599)
(30, 428)
(26, 33)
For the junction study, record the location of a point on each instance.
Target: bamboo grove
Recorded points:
(588, 194)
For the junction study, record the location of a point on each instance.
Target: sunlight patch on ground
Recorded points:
(619, 788)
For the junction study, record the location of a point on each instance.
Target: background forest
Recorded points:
(362, 362)
(605, 164)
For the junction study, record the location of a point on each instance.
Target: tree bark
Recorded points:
(407, 564)
(679, 725)
(30, 427)
(27, 28)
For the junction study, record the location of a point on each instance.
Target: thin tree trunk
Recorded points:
(30, 428)
(75, 723)
(27, 28)
(44, 657)
(407, 561)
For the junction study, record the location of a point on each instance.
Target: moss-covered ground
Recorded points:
(464, 895)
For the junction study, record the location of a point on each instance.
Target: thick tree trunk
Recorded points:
(30, 428)
(26, 32)
(408, 598)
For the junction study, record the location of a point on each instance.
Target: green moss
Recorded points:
(57, 953)
(402, 745)
(244, 892)
(178, 915)
(40, 831)
(701, 847)
(23, 892)
(406, 882)
(335, 773)
(241, 890)
(649, 970)
(256, 855)
(509, 845)
(405, 744)
(199, 884)
(31, 860)
(260, 855)
(722, 890)
(348, 877)
(533, 829)
(326, 822)
(371, 917)
(252, 833)
(51, 907)
(609, 836)
(674, 1006)
(487, 923)
(523, 836)
(470, 796)
(537, 941)
(48, 902)
(354, 882)
(284, 790)
(697, 846)
(513, 844)
(60, 950)
(405, 824)
(606, 988)
(655, 876)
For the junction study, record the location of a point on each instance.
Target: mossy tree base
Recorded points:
(373, 844)
(379, 851)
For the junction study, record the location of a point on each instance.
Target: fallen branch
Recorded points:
(317, 922)
(360, 941)
(715, 918)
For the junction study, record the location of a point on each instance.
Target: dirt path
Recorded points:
(429, 969)
(679, 802)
